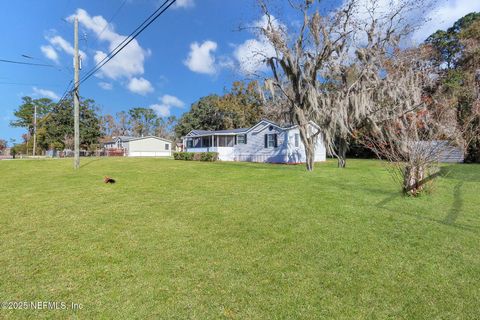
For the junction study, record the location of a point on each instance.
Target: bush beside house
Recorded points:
(196, 156)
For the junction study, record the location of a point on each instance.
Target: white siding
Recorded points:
(148, 147)
(224, 153)
(297, 154)
(255, 151)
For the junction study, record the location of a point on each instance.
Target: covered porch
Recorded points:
(223, 144)
(210, 141)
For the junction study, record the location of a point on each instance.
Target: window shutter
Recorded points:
(235, 142)
(245, 139)
(266, 141)
(276, 140)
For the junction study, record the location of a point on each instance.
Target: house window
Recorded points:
(167, 146)
(206, 142)
(189, 144)
(226, 141)
(270, 141)
(297, 140)
(242, 139)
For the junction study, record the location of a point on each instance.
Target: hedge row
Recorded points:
(196, 156)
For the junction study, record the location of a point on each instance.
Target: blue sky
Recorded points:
(191, 51)
(165, 46)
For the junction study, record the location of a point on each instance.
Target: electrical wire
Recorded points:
(112, 18)
(28, 63)
(147, 22)
(157, 13)
(28, 84)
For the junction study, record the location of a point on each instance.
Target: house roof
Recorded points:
(200, 133)
(130, 138)
(216, 132)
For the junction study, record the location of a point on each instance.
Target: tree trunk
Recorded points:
(412, 179)
(342, 152)
(309, 144)
(309, 153)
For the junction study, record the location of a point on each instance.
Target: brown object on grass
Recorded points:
(108, 180)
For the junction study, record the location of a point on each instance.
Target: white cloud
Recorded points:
(50, 53)
(184, 4)
(127, 63)
(172, 101)
(105, 85)
(161, 110)
(43, 93)
(440, 15)
(140, 85)
(62, 44)
(251, 54)
(444, 15)
(166, 103)
(201, 58)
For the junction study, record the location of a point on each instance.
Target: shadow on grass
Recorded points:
(449, 220)
(456, 205)
(84, 163)
(388, 199)
(464, 172)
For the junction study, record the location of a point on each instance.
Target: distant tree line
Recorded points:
(240, 106)
(137, 122)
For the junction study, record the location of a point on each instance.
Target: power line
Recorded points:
(29, 84)
(111, 18)
(126, 41)
(28, 63)
(157, 13)
(66, 92)
(59, 68)
(147, 22)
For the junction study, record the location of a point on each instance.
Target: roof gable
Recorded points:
(147, 137)
(266, 123)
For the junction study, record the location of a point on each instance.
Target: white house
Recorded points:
(149, 146)
(264, 142)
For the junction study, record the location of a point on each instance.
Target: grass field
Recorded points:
(191, 240)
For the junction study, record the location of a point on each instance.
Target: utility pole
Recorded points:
(76, 161)
(34, 130)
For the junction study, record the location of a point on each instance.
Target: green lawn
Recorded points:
(191, 240)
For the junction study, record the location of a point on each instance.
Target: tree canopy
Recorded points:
(55, 123)
(59, 124)
(25, 112)
(239, 107)
(448, 44)
(456, 51)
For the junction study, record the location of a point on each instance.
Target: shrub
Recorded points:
(188, 156)
(209, 156)
(196, 156)
(178, 155)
